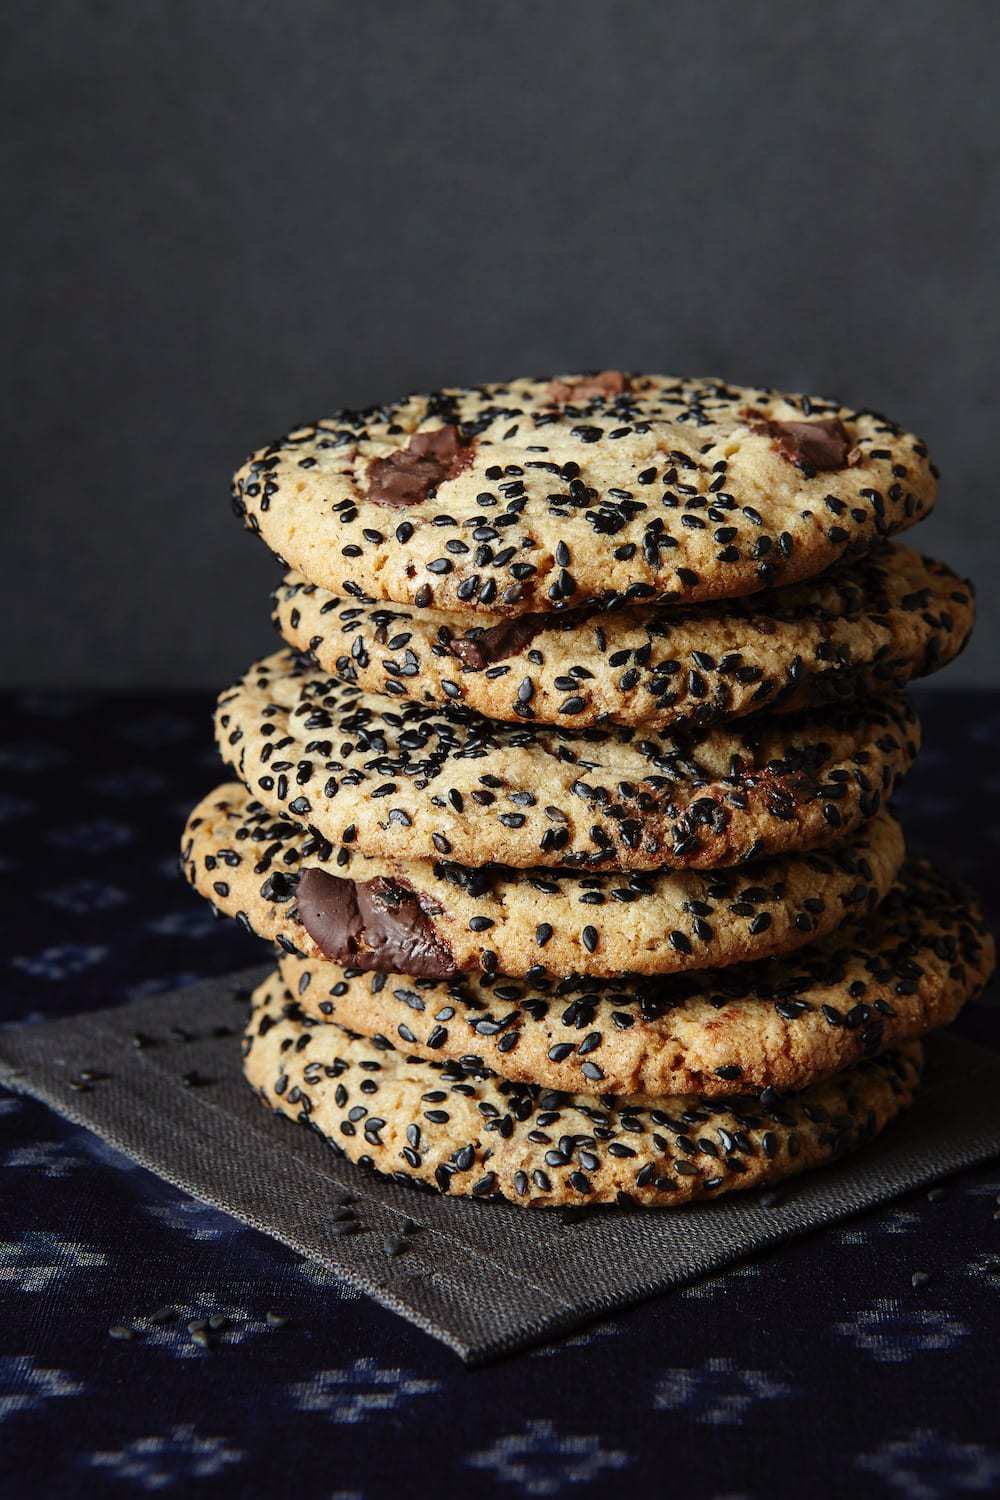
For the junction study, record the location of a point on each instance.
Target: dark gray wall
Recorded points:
(227, 217)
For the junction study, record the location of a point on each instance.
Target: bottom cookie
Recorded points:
(471, 1133)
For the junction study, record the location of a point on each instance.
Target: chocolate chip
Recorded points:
(407, 476)
(377, 924)
(820, 444)
(602, 386)
(483, 648)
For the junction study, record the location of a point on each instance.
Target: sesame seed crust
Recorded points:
(249, 864)
(690, 489)
(867, 628)
(882, 979)
(484, 1137)
(408, 780)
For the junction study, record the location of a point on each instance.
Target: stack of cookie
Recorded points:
(566, 801)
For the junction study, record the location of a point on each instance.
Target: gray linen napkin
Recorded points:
(163, 1084)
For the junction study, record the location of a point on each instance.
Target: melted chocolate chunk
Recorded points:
(820, 444)
(373, 925)
(409, 474)
(498, 642)
(482, 648)
(605, 384)
(791, 787)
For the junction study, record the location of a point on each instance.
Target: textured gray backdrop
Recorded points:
(228, 217)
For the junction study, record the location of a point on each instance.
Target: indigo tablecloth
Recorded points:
(816, 1369)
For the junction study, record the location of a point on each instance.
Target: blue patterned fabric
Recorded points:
(815, 1370)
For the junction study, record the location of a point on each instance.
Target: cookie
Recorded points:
(415, 782)
(867, 628)
(435, 919)
(534, 495)
(480, 1136)
(779, 1025)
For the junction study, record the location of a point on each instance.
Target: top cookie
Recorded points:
(538, 495)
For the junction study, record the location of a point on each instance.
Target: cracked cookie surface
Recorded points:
(465, 1134)
(412, 781)
(436, 919)
(867, 628)
(780, 1024)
